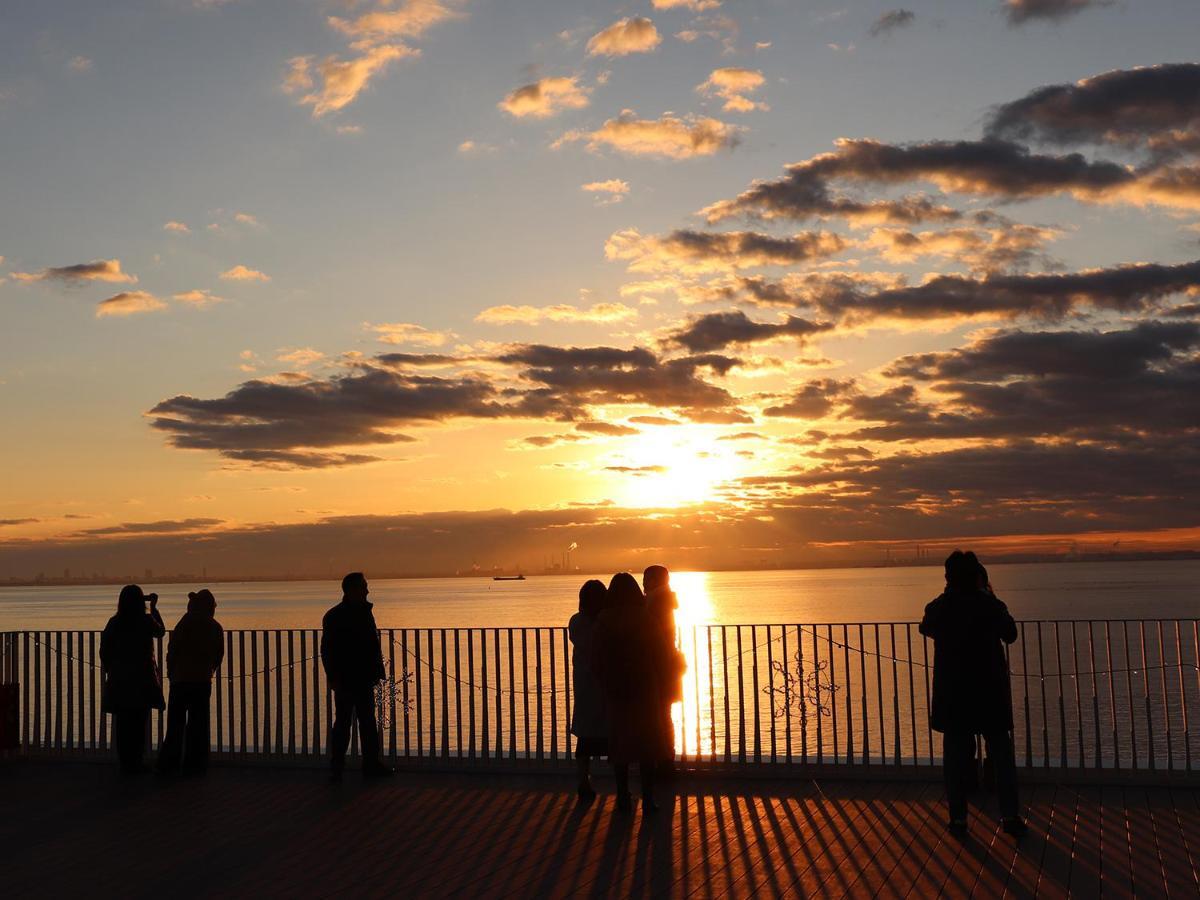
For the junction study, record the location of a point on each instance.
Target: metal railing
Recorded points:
(1107, 696)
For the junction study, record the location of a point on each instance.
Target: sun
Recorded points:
(679, 468)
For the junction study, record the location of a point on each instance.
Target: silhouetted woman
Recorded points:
(195, 650)
(589, 722)
(631, 668)
(132, 683)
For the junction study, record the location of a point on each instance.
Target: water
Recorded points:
(1032, 591)
(1084, 694)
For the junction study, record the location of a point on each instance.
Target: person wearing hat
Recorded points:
(194, 651)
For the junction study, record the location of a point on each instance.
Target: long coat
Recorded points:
(588, 714)
(632, 668)
(971, 691)
(350, 649)
(132, 680)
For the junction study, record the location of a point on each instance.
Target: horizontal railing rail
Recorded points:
(1104, 696)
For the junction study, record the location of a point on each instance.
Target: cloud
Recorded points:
(669, 136)
(986, 168)
(163, 526)
(475, 148)
(732, 84)
(199, 298)
(717, 27)
(653, 420)
(242, 273)
(106, 270)
(891, 20)
(1087, 354)
(700, 251)
(630, 35)
(176, 227)
(813, 400)
(1012, 246)
(1125, 288)
(302, 357)
(636, 471)
(718, 330)
(80, 64)
(341, 80)
(692, 5)
(1151, 107)
(545, 97)
(408, 333)
(410, 19)
(291, 460)
(614, 190)
(8, 523)
(128, 303)
(743, 436)
(560, 312)
(1021, 11)
(608, 429)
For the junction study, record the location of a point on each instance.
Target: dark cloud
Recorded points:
(743, 436)
(358, 408)
(549, 440)
(107, 270)
(1156, 107)
(1087, 354)
(4, 523)
(718, 330)
(812, 400)
(1125, 288)
(300, 459)
(163, 526)
(991, 168)
(891, 20)
(690, 250)
(418, 360)
(1014, 488)
(636, 470)
(1021, 11)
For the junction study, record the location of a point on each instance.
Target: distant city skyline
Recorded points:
(424, 282)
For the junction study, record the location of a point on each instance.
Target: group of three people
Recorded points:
(627, 674)
(132, 686)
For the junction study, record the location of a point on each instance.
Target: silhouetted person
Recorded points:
(195, 649)
(589, 720)
(971, 693)
(661, 604)
(353, 661)
(631, 667)
(132, 683)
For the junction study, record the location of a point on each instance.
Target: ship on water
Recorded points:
(508, 578)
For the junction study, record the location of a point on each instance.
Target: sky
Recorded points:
(424, 285)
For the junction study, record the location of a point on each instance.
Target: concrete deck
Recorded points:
(71, 829)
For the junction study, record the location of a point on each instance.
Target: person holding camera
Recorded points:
(194, 652)
(132, 681)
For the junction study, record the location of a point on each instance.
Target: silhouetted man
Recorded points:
(353, 663)
(971, 695)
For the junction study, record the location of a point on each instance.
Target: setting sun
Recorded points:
(668, 467)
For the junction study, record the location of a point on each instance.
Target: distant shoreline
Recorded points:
(1006, 559)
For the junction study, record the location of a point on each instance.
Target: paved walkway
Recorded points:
(79, 830)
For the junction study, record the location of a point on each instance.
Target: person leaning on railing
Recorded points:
(132, 681)
(969, 627)
(353, 661)
(196, 648)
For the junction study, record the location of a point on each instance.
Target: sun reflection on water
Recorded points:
(692, 722)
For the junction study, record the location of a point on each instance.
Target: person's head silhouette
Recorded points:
(655, 577)
(132, 601)
(202, 603)
(962, 571)
(592, 598)
(623, 590)
(354, 586)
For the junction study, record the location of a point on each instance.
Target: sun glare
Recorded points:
(676, 469)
